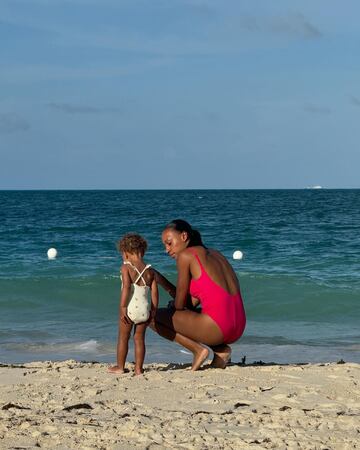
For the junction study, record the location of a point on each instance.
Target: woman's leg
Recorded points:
(199, 351)
(189, 329)
(222, 355)
(139, 344)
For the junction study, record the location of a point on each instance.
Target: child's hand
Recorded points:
(124, 318)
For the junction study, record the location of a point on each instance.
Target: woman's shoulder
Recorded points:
(216, 256)
(194, 250)
(190, 252)
(216, 253)
(184, 255)
(206, 252)
(202, 252)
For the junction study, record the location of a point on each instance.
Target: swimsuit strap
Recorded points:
(140, 274)
(204, 273)
(197, 258)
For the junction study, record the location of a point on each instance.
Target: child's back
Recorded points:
(138, 308)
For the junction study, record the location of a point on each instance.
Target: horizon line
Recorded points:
(176, 189)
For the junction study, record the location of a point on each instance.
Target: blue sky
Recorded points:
(112, 94)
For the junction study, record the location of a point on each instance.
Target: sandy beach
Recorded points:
(71, 404)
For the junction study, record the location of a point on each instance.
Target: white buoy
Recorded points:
(238, 254)
(52, 253)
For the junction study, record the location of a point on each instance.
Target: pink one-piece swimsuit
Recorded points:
(225, 309)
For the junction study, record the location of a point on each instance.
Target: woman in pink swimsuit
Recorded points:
(204, 277)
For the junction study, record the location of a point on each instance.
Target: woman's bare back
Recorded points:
(217, 267)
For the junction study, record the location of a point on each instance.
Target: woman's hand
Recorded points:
(171, 304)
(151, 319)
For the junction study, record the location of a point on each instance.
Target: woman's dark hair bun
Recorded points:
(181, 225)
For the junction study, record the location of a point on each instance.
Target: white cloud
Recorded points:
(316, 109)
(70, 108)
(11, 123)
(355, 101)
(29, 73)
(292, 25)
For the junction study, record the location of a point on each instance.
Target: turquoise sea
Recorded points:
(300, 275)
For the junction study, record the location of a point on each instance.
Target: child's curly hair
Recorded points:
(132, 243)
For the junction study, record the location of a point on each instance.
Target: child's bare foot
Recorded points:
(116, 369)
(199, 358)
(138, 371)
(222, 355)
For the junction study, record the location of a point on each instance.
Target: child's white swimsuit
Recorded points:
(138, 309)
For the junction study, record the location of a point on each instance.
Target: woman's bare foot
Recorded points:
(222, 355)
(116, 369)
(199, 358)
(138, 371)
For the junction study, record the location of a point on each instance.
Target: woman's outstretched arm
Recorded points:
(183, 281)
(171, 290)
(165, 284)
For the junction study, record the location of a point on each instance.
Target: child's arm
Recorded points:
(165, 284)
(124, 296)
(154, 298)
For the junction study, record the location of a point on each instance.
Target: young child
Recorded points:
(137, 280)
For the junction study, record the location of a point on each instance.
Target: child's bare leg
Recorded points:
(122, 347)
(123, 344)
(139, 344)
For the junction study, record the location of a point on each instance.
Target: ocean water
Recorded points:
(300, 275)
